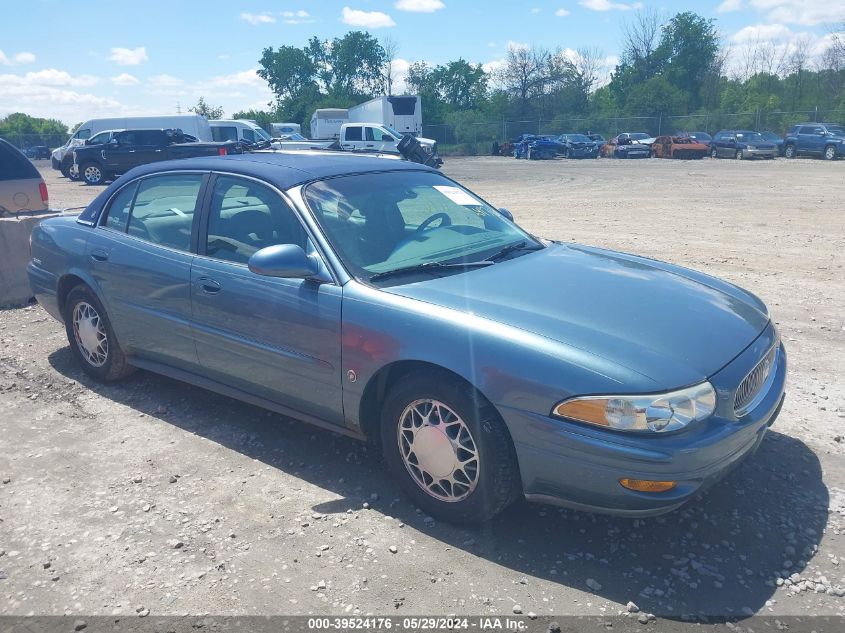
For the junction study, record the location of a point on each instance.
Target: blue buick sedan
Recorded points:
(382, 300)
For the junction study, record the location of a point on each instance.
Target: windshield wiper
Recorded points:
(429, 266)
(507, 250)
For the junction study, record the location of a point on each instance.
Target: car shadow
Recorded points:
(717, 557)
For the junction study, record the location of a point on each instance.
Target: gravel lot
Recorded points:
(150, 496)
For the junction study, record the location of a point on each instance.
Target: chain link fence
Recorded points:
(477, 138)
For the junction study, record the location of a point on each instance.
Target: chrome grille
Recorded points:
(752, 384)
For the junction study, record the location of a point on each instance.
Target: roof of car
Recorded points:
(285, 168)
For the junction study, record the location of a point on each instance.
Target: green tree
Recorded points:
(687, 51)
(20, 123)
(459, 84)
(207, 110)
(352, 65)
(288, 70)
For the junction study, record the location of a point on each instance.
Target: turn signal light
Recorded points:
(642, 485)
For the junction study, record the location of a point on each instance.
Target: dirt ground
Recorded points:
(150, 496)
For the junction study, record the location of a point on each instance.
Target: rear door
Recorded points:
(275, 338)
(140, 257)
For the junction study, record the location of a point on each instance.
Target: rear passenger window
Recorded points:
(163, 212)
(14, 165)
(245, 217)
(121, 204)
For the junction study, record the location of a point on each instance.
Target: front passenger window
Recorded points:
(245, 217)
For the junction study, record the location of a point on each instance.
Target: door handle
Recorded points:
(99, 255)
(208, 286)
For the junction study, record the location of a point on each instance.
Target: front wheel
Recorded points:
(738, 154)
(448, 448)
(829, 152)
(92, 340)
(92, 174)
(714, 153)
(789, 152)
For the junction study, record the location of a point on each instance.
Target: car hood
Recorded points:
(673, 325)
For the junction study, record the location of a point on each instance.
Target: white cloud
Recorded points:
(494, 65)
(536, 10)
(419, 6)
(366, 19)
(607, 5)
(18, 58)
(165, 81)
(257, 18)
(49, 77)
(729, 5)
(400, 75)
(129, 56)
(125, 79)
(297, 17)
(805, 12)
(561, 13)
(761, 32)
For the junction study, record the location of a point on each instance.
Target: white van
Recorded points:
(237, 130)
(192, 124)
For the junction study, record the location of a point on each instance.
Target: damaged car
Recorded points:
(681, 147)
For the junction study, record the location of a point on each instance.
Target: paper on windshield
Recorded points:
(458, 196)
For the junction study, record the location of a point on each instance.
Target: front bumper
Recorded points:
(583, 153)
(759, 153)
(579, 466)
(639, 153)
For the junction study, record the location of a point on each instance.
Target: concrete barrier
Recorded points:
(14, 256)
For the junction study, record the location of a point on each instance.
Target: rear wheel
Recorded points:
(714, 153)
(789, 151)
(92, 174)
(829, 152)
(448, 448)
(92, 340)
(738, 154)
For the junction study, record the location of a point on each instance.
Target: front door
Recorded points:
(140, 257)
(272, 337)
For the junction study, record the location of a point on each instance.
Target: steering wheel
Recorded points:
(444, 218)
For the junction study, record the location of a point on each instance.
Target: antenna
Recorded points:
(178, 107)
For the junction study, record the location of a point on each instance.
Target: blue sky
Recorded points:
(121, 58)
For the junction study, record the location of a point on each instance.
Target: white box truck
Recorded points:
(402, 113)
(326, 122)
(192, 124)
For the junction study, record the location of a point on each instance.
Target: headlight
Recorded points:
(656, 412)
(752, 147)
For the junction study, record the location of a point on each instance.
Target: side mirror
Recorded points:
(506, 213)
(283, 260)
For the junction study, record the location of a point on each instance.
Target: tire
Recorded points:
(529, 155)
(714, 153)
(487, 483)
(92, 174)
(91, 337)
(789, 151)
(65, 172)
(73, 172)
(829, 152)
(738, 154)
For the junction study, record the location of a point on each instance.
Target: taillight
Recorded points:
(222, 151)
(42, 188)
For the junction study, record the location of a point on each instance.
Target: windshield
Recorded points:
(578, 138)
(260, 133)
(292, 137)
(835, 129)
(749, 136)
(701, 136)
(637, 136)
(771, 136)
(380, 222)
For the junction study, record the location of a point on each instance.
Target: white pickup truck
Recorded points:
(359, 137)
